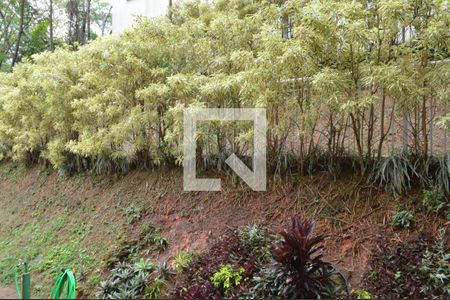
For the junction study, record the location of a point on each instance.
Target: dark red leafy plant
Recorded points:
(300, 271)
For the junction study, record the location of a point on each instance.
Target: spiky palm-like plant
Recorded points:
(144, 267)
(127, 281)
(395, 173)
(163, 270)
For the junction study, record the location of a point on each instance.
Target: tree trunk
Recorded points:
(370, 130)
(83, 24)
(19, 35)
(356, 125)
(431, 125)
(76, 31)
(52, 43)
(405, 128)
(88, 19)
(170, 10)
(424, 127)
(446, 131)
(382, 136)
(105, 21)
(424, 106)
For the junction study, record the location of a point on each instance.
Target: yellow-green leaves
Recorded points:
(121, 97)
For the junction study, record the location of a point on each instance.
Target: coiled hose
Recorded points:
(65, 281)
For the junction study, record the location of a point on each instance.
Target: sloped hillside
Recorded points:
(90, 223)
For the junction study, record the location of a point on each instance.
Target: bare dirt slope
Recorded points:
(83, 221)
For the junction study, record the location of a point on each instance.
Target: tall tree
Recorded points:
(88, 20)
(170, 10)
(73, 15)
(100, 14)
(19, 34)
(50, 19)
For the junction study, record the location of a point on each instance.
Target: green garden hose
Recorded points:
(16, 279)
(65, 280)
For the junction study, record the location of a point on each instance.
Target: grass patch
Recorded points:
(12, 171)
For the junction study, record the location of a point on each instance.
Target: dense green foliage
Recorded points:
(398, 171)
(435, 267)
(402, 218)
(434, 200)
(339, 73)
(46, 24)
(181, 261)
(226, 278)
(127, 281)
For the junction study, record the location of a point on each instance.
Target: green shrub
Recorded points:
(159, 242)
(154, 290)
(126, 281)
(226, 278)
(163, 271)
(435, 267)
(144, 266)
(395, 173)
(435, 200)
(253, 236)
(402, 218)
(362, 294)
(152, 236)
(181, 261)
(133, 214)
(435, 172)
(116, 103)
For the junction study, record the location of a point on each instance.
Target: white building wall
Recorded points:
(125, 11)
